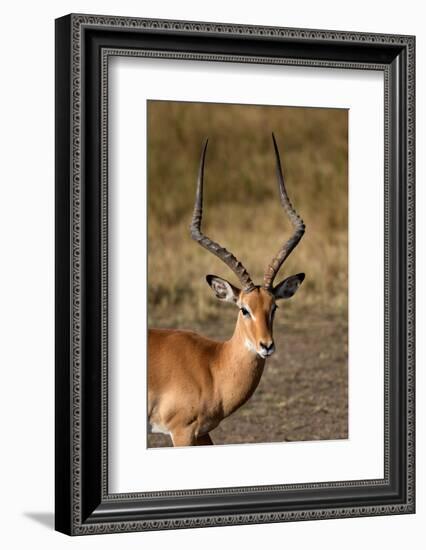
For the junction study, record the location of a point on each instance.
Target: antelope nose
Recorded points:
(267, 348)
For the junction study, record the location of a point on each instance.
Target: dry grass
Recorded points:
(242, 210)
(303, 392)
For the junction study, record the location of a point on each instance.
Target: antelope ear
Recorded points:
(222, 289)
(288, 287)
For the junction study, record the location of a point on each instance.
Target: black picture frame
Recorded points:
(83, 504)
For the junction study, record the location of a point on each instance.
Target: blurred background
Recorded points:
(303, 392)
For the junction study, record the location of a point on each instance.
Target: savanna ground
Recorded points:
(303, 392)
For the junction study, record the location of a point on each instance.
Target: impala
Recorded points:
(195, 382)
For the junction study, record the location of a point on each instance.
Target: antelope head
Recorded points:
(257, 303)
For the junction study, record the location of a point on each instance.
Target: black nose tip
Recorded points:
(267, 347)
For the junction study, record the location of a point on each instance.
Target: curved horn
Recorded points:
(227, 257)
(297, 222)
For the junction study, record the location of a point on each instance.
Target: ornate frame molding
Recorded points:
(76, 512)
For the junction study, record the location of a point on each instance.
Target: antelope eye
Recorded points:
(245, 312)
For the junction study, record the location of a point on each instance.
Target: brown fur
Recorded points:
(195, 382)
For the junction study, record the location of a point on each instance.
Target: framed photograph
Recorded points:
(234, 274)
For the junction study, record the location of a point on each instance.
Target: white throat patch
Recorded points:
(250, 346)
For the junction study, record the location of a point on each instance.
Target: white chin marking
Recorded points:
(250, 346)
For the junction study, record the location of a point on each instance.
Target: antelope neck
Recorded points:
(240, 375)
(237, 353)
